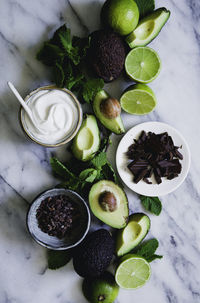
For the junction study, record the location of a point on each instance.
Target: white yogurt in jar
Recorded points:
(55, 114)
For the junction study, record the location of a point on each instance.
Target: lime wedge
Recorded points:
(133, 272)
(138, 99)
(142, 64)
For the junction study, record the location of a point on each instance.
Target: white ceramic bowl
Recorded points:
(142, 188)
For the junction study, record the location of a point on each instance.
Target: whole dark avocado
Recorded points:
(94, 255)
(107, 54)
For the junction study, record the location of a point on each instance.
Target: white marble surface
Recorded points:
(25, 170)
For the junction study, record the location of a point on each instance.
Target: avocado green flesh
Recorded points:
(87, 140)
(115, 125)
(135, 231)
(116, 218)
(148, 28)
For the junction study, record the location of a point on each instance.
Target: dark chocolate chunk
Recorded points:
(154, 154)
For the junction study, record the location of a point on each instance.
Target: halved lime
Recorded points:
(138, 99)
(142, 64)
(133, 272)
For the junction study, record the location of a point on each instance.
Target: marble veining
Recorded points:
(25, 169)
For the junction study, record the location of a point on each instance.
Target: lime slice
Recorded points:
(142, 64)
(133, 272)
(139, 99)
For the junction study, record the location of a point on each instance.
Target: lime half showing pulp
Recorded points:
(139, 99)
(133, 272)
(142, 64)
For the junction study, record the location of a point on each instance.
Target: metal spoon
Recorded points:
(23, 103)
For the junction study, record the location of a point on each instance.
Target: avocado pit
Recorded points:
(110, 108)
(108, 201)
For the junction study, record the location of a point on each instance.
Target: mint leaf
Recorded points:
(57, 259)
(71, 51)
(152, 204)
(49, 54)
(99, 160)
(145, 7)
(83, 44)
(61, 169)
(65, 54)
(91, 87)
(59, 75)
(147, 250)
(153, 257)
(88, 175)
(72, 75)
(109, 174)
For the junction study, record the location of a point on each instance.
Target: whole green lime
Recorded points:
(121, 15)
(102, 289)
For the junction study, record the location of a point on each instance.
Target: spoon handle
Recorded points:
(25, 106)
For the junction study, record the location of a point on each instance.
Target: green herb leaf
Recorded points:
(65, 54)
(154, 257)
(71, 52)
(57, 259)
(83, 44)
(145, 7)
(59, 75)
(49, 54)
(152, 204)
(147, 250)
(109, 173)
(61, 170)
(99, 160)
(73, 76)
(91, 88)
(88, 175)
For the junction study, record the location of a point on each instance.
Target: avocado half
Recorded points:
(135, 231)
(115, 125)
(87, 141)
(148, 28)
(112, 216)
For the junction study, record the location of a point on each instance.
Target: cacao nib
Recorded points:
(57, 216)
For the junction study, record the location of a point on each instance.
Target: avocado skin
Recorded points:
(114, 125)
(107, 54)
(101, 289)
(94, 255)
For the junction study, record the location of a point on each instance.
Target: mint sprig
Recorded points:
(98, 169)
(152, 204)
(66, 55)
